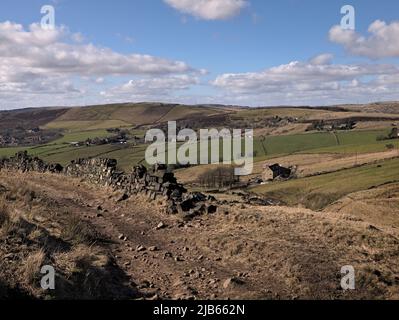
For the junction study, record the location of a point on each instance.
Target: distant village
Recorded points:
(27, 137)
(121, 137)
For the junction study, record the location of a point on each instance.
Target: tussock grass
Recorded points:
(79, 232)
(32, 267)
(20, 190)
(9, 223)
(4, 215)
(39, 231)
(89, 269)
(81, 258)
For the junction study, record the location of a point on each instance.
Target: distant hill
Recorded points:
(141, 114)
(29, 118)
(119, 115)
(377, 107)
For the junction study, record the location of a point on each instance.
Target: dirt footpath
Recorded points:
(240, 252)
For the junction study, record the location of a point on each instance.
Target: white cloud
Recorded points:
(209, 9)
(45, 51)
(78, 37)
(148, 88)
(298, 73)
(314, 82)
(383, 41)
(55, 67)
(34, 61)
(325, 58)
(42, 51)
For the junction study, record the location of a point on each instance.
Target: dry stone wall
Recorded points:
(157, 184)
(23, 162)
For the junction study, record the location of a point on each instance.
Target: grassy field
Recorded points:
(280, 112)
(274, 146)
(8, 152)
(65, 156)
(356, 148)
(313, 114)
(82, 136)
(78, 126)
(319, 191)
(322, 142)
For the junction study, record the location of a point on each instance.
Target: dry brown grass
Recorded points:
(35, 230)
(279, 252)
(90, 270)
(77, 231)
(9, 221)
(298, 252)
(4, 215)
(82, 258)
(292, 128)
(379, 206)
(32, 265)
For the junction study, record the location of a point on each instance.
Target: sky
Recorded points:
(238, 52)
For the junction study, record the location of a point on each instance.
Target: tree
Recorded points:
(219, 177)
(394, 134)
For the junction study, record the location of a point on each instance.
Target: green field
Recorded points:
(358, 142)
(78, 126)
(60, 151)
(320, 191)
(82, 136)
(320, 142)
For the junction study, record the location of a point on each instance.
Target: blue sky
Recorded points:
(248, 52)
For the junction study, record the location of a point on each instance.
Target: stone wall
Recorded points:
(23, 162)
(157, 184)
(98, 171)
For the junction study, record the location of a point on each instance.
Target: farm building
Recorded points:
(279, 171)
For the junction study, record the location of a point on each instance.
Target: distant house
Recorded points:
(279, 171)
(122, 141)
(34, 130)
(75, 144)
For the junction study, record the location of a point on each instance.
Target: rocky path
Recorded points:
(240, 252)
(159, 253)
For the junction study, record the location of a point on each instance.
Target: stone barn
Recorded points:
(279, 171)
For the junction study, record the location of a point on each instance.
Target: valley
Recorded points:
(269, 238)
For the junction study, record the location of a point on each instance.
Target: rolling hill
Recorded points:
(122, 115)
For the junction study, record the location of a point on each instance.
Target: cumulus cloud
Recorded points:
(314, 82)
(56, 67)
(383, 41)
(298, 74)
(325, 58)
(152, 87)
(44, 51)
(164, 88)
(209, 9)
(41, 62)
